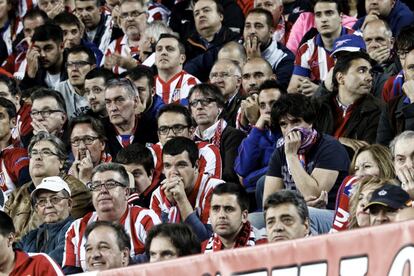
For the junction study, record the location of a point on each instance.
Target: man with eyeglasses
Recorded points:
(87, 139)
(172, 83)
(80, 60)
(226, 74)
(48, 112)
(110, 190)
(122, 54)
(124, 124)
(52, 202)
(206, 104)
(175, 121)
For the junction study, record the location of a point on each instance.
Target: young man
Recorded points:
(258, 42)
(122, 54)
(80, 60)
(172, 83)
(45, 62)
(229, 207)
(168, 241)
(184, 196)
(206, 104)
(16, 262)
(286, 216)
(227, 76)
(313, 60)
(107, 246)
(310, 162)
(110, 190)
(124, 126)
(94, 91)
(350, 113)
(14, 163)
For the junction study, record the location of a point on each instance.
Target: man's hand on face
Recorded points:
(406, 176)
(252, 46)
(307, 87)
(371, 16)
(58, 8)
(85, 167)
(32, 58)
(38, 126)
(250, 106)
(174, 189)
(264, 121)
(380, 55)
(293, 140)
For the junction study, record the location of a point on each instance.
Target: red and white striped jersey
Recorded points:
(176, 89)
(313, 60)
(120, 46)
(34, 264)
(199, 200)
(136, 220)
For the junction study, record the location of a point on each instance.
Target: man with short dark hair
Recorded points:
(110, 190)
(45, 60)
(94, 90)
(229, 207)
(16, 262)
(281, 26)
(80, 60)
(107, 246)
(170, 241)
(286, 216)
(184, 196)
(258, 41)
(385, 203)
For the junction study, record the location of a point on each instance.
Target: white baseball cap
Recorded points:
(51, 183)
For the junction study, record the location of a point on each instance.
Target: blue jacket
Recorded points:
(254, 156)
(399, 17)
(49, 238)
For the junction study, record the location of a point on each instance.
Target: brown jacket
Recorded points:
(18, 205)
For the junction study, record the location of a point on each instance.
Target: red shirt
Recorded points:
(34, 264)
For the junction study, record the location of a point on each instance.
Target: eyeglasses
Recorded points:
(77, 64)
(203, 102)
(43, 153)
(87, 140)
(221, 75)
(133, 14)
(44, 113)
(42, 202)
(109, 185)
(176, 129)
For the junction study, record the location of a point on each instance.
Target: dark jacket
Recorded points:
(229, 146)
(362, 124)
(396, 117)
(399, 17)
(39, 79)
(229, 113)
(49, 238)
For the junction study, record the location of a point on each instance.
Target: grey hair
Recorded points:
(124, 83)
(115, 167)
(408, 134)
(156, 28)
(59, 145)
(235, 66)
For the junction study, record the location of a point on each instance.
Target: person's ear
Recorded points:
(12, 123)
(127, 191)
(182, 59)
(70, 204)
(245, 214)
(340, 78)
(306, 229)
(125, 257)
(10, 239)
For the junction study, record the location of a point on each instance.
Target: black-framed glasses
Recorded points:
(44, 113)
(203, 102)
(133, 14)
(77, 64)
(43, 153)
(87, 140)
(42, 202)
(109, 185)
(176, 129)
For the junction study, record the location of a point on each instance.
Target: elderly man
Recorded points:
(47, 158)
(229, 207)
(206, 105)
(184, 195)
(286, 216)
(110, 190)
(226, 74)
(16, 262)
(52, 202)
(87, 139)
(124, 125)
(107, 246)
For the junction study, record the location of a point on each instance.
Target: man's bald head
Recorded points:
(233, 51)
(254, 73)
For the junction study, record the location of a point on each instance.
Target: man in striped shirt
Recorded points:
(110, 189)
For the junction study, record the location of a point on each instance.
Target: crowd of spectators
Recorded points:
(138, 131)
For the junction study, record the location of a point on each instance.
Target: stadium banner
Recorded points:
(382, 250)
